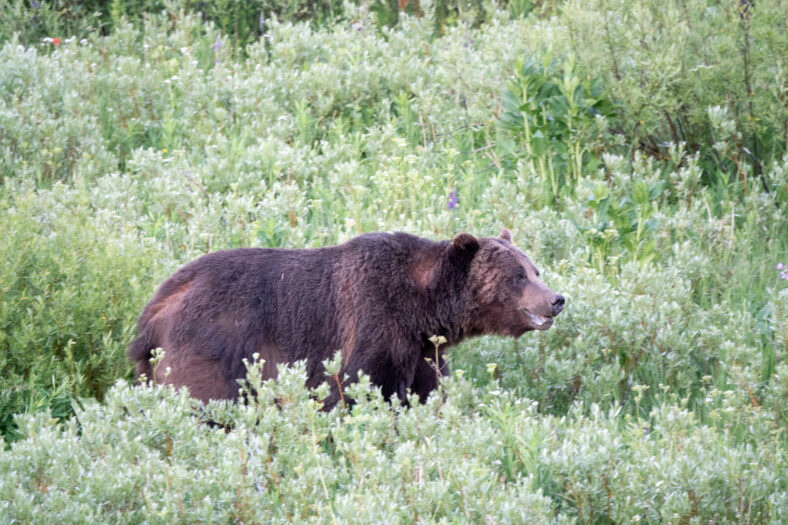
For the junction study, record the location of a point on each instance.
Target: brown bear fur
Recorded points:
(378, 298)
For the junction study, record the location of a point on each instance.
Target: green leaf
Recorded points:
(640, 192)
(655, 190)
(602, 209)
(538, 143)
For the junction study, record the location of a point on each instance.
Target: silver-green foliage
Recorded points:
(469, 455)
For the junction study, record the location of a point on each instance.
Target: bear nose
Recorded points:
(558, 304)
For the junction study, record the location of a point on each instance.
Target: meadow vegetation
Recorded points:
(637, 151)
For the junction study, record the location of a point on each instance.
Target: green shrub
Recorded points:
(471, 456)
(71, 279)
(557, 122)
(242, 21)
(704, 74)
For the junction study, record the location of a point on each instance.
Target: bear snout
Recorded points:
(557, 304)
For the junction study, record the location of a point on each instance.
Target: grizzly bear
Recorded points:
(377, 298)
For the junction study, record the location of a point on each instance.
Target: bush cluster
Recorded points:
(476, 456)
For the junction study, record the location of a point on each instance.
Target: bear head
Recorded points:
(506, 294)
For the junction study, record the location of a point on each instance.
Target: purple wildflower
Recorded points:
(453, 203)
(216, 47)
(35, 4)
(783, 273)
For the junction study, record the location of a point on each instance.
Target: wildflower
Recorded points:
(453, 203)
(438, 340)
(216, 47)
(780, 266)
(56, 41)
(35, 5)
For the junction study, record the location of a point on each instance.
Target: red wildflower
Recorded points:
(56, 41)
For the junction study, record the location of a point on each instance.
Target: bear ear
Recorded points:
(466, 243)
(506, 235)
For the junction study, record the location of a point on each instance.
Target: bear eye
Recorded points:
(520, 278)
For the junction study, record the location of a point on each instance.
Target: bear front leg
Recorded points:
(427, 376)
(394, 372)
(401, 377)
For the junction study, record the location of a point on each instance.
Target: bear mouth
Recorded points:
(540, 322)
